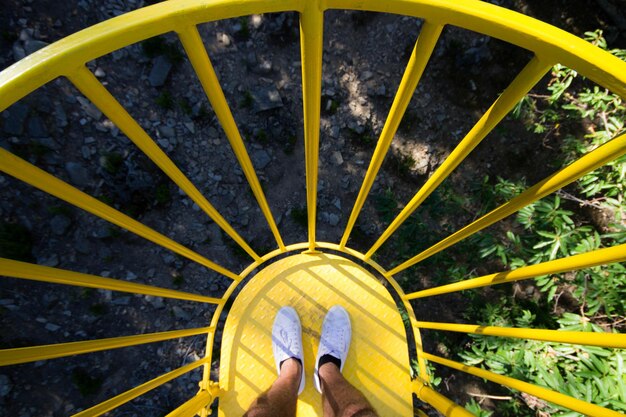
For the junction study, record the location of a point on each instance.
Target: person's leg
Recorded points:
(339, 397)
(280, 400)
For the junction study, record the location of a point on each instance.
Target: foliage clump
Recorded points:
(587, 300)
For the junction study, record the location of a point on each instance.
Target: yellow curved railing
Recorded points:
(68, 57)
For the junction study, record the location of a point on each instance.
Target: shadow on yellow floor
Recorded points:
(377, 363)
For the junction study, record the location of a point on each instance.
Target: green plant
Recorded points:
(86, 293)
(572, 105)
(114, 231)
(386, 205)
(435, 381)
(549, 232)
(363, 135)
(432, 222)
(473, 407)
(584, 372)
(552, 228)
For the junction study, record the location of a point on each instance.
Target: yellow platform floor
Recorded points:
(377, 363)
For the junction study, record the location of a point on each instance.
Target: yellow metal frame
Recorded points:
(68, 58)
(311, 283)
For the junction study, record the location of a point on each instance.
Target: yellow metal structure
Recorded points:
(308, 276)
(312, 283)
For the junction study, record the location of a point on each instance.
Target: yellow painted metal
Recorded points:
(441, 403)
(36, 177)
(311, 45)
(608, 340)
(415, 68)
(74, 51)
(68, 57)
(90, 86)
(571, 263)
(24, 270)
(201, 63)
(548, 42)
(59, 350)
(377, 364)
(370, 262)
(525, 80)
(592, 160)
(133, 393)
(193, 406)
(206, 382)
(563, 400)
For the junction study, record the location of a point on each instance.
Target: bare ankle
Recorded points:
(328, 370)
(291, 369)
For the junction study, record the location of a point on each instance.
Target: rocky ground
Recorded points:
(257, 59)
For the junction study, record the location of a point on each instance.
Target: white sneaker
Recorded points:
(287, 339)
(335, 339)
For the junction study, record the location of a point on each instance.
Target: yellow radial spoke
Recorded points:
(525, 80)
(594, 159)
(93, 89)
(443, 404)
(25, 270)
(191, 407)
(571, 263)
(415, 68)
(609, 340)
(36, 177)
(563, 400)
(131, 394)
(311, 36)
(59, 350)
(201, 63)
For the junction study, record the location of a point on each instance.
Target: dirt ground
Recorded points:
(257, 59)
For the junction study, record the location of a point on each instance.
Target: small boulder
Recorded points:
(160, 71)
(267, 98)
(78, 174)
